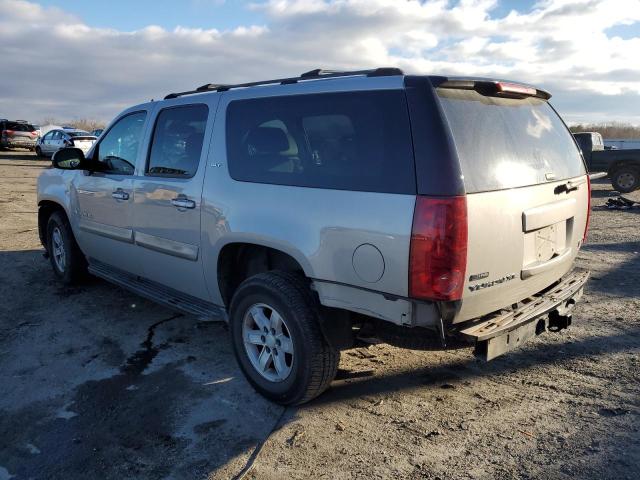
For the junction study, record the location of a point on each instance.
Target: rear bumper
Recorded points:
(505, 330)
(18, 143)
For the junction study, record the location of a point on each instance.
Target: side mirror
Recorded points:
(69, 159)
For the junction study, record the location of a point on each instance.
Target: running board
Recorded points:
(158, 293)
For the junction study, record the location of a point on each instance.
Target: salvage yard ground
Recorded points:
(99, 383)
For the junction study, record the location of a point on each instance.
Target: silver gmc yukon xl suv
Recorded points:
(319, 212)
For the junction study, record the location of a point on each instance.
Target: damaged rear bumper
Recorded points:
(506, 330)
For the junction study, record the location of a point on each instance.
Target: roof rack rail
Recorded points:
(318, 73)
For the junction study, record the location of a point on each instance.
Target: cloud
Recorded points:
(53, 64)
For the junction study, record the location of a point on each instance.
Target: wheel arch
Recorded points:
(45, 209)
(238, 260)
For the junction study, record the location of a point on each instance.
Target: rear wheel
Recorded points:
(626, 179)
(67, 260)
(277, 338)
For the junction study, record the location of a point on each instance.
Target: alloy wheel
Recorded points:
(57, 249)
(267, 342)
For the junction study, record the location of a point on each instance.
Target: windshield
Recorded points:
(507, 143)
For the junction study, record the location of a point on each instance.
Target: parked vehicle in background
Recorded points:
(54, 140)
(622, 166)
(17, 134)
(97, 132)
(338, 208)
(38, 130)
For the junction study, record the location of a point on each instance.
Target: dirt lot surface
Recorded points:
(99, 383)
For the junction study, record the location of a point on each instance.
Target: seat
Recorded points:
(266, 149)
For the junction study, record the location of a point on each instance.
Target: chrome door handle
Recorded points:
(120, 195)
(181, 202)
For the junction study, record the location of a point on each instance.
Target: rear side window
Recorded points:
(177, 141)
(507, 143)
(346, 141)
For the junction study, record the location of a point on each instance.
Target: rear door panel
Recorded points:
(167, 207)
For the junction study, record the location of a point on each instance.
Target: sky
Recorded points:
(81, 59)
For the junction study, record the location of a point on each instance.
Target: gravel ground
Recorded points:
(99, 383)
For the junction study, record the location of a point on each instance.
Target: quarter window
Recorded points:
(177, 141)
(118, 149)
(345, 141)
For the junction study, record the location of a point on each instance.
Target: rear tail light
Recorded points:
(438, 251)
(7, 133)
(586, 225)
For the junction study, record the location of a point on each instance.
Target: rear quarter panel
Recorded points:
(320, 228)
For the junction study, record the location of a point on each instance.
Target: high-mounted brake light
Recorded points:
(438, 250)
(515, 88)
(586, 225)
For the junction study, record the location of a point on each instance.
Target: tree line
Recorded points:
(609, 130)
(86, 124)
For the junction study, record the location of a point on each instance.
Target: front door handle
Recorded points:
(120, 194)
(183, 202)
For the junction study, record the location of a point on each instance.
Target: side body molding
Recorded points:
(164, 245)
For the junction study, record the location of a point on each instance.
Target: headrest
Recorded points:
(265, 140)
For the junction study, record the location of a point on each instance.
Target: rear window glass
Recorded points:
(507, 143)
(79, 134)
(20, 127)
(346, 141)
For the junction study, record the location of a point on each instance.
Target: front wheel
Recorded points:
(626, 179)
(68, 262)
(38, 152)
(277, 339)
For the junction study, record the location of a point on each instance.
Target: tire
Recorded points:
(312, 363)
(39, 152)
(68, 262)
(626, 179)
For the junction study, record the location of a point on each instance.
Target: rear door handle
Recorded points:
(119, 194)
(182, 202)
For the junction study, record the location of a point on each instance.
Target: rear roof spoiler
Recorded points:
(491, 87)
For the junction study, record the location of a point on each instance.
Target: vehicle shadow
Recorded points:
(101, 380)
(459, 370)
(23, 159)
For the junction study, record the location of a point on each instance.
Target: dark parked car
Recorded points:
(622, 166)
(17, 134)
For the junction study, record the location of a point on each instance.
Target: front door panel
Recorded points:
(103, 211)
(102, 200)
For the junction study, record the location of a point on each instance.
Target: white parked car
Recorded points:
(54, 140)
